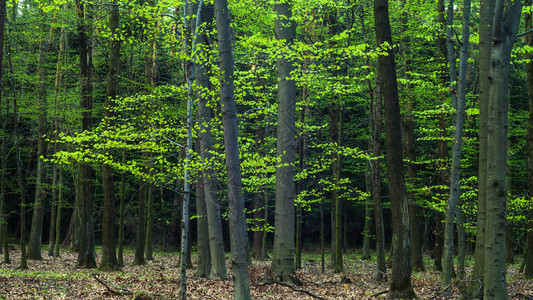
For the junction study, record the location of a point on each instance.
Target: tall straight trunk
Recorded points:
(58, 214)
(122, 208)
(22, 187)
(377, 128)
(369, 206)
(140, 239)
(109, 255)
(505, 26)
(400, 286)
(3, 219)
(216, 243)
(528, 259)
(336, 166)
(283, 259)
(202, 231)
(148, 244)
(238, 234)
(190, 73)
(459, 95)
(486, 15)
(442, 150)
(36, 231)
(417, 262)
(86, 254)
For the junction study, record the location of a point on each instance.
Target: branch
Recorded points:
(370, 266)
(522, 295)
(524, 33)
(379, 293)
(114, 290)
(295, 289)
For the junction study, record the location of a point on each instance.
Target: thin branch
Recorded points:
(295, 289)
(114, 290)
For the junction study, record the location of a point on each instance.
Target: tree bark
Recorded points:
(377, 124)
(486, 15)
(140, 240)
(283, 259)
(202, 231)
(238, 234)
(528, 259)
(86, 254)
(36, 231)
(505, 26)
(400, 286)
(109, 255)
(458, 95)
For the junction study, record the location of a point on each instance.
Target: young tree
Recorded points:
(455, 188)
(283, 259)
(400, 286)
(237, 221)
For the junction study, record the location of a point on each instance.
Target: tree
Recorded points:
(283, 258)
(504, 29)
(216, 245)
(400, 286)
(86, 254)
(528, 268)
(109, 256)
(459, 95)
(237, 221)
(36, 231)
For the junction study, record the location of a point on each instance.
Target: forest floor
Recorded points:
(60, 278)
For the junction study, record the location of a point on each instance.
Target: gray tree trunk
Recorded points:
(238, 234)
(505, 26)
(283, 258)
(459, 95)
(528, 259)
(486, 15)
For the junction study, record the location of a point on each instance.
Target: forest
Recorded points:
(266, 149)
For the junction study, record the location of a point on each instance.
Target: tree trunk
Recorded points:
(528, 259)
(202, 231)
(109, 255)
(505, 26)
(86, 254)
(458, 95)
(216, 243)
(238, 234)
(283, 259)
(120, 254)
(377, 126)
(400, 286)
(149, 249)
(475, 288)
(141, 225)
(22, 186)
(36, 231)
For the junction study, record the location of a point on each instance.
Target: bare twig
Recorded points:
(295, 289)
(525, 296)
(379, 293)
(371, 266)
(110, 287)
